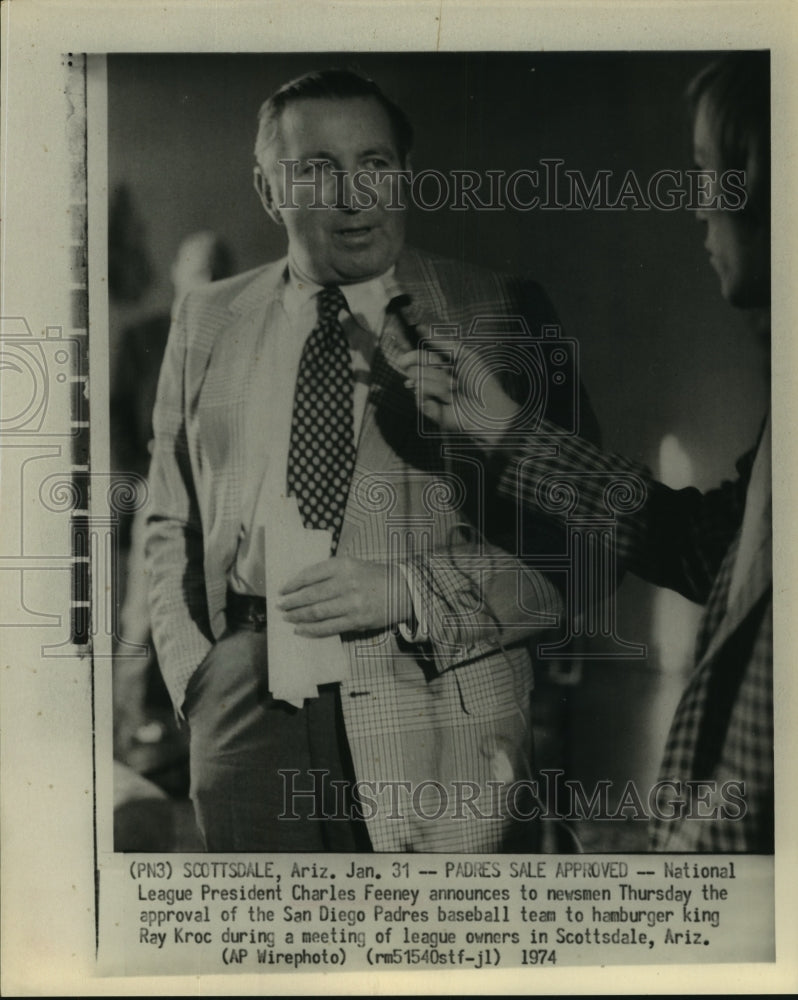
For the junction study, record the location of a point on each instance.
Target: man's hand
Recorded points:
(345, 595)
(458, 387)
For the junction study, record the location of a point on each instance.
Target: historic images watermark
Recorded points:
(549, 186)
(551, 796)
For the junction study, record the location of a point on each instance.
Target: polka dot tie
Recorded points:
(321, 455)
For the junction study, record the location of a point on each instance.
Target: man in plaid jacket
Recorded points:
(716, 789)
(432, 721)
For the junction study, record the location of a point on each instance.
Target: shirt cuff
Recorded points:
(417, 630)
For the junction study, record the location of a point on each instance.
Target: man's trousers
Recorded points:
(266, 776)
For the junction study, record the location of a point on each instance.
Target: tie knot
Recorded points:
(331, 302)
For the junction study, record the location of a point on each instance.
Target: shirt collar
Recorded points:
(367, 300)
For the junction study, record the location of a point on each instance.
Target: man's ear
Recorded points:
(264, 190)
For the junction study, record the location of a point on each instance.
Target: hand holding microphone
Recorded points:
(458, 387)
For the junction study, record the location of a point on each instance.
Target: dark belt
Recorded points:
(245, 611)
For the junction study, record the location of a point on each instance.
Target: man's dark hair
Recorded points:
(736, 89)
(330, 84)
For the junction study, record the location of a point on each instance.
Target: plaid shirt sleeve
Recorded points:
(672, 538)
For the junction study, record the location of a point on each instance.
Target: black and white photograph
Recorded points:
(406, 455)
(557, 348)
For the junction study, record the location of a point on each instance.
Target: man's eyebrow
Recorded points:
(315, 154)
(323, 154)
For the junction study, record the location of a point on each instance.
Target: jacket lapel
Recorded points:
(423, 300)
(388, 438)
(264, 287)
(226, 372)
(248, 337)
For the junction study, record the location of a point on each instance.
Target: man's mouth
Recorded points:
(354, 234)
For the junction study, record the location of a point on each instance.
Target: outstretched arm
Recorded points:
(673, 538)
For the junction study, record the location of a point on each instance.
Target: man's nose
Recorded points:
(344, 200)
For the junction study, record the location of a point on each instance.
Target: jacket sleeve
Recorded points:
(472, 600)
(479, 593)
(174, 546)
(672, 538)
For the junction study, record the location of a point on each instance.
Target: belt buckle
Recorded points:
(257, 619)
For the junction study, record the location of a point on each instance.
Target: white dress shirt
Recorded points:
(272, 398)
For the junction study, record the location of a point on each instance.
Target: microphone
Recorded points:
(399, 303)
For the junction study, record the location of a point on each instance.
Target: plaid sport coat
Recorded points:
(449, 718)
(722, 731)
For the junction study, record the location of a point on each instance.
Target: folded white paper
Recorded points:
(297, 664)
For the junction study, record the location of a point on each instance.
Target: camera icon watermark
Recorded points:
(499, 358)
(42, 383)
